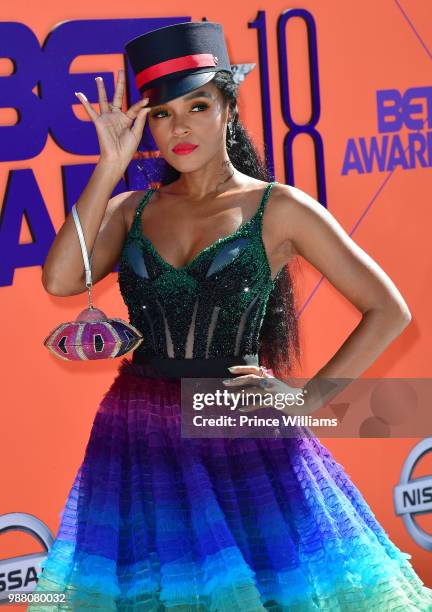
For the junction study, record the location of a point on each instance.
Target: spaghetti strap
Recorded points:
(264, 200)
(136, 225)
(145, 199)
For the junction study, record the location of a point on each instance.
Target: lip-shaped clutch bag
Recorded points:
(92, 335)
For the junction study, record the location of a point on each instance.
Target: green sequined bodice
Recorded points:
(212, 307)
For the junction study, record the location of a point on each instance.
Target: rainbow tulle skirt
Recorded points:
(154, 521)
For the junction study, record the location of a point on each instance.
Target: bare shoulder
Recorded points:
(292, 200)
(295, 213)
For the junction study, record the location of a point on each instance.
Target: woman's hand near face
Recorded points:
(119, 133)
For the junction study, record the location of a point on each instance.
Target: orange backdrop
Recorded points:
(363, 47)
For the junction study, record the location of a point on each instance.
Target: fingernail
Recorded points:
(227, 381)
(77, 93)
(231, 368)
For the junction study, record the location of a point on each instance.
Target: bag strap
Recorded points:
(87, 267)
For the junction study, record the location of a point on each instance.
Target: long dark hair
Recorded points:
(279, 337)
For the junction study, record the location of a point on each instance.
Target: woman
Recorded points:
(156, 520)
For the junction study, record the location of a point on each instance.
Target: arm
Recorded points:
(317, 236)
(102, 220)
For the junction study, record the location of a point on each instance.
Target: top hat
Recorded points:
(172, 61)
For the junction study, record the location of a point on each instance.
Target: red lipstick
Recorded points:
(184, 148)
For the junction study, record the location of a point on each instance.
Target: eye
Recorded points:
(157, 113)
(162, 113)
(203, 105)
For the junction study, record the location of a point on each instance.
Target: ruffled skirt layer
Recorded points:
(154, 521)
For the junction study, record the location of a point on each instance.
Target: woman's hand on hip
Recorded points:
(259, 381)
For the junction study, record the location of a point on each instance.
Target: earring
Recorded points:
(231, 140)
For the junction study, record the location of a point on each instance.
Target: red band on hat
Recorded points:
(197, 60)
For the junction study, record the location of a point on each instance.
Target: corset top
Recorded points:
(211, 307)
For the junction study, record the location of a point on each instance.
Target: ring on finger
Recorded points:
(112, 107)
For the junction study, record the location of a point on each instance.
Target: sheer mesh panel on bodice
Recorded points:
(212, 307)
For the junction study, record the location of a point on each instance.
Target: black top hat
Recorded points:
(173, 60)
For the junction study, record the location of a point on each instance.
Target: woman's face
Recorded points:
(198, 118)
